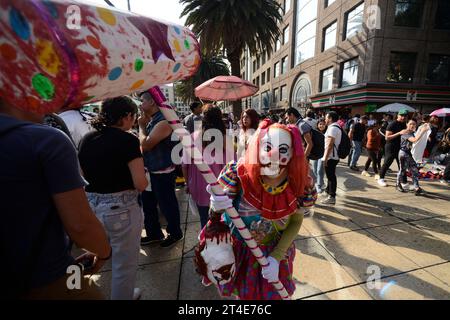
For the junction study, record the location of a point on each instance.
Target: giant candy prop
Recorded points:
(63, 54)
(208, 175)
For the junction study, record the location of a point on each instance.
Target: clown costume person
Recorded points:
(269, 188)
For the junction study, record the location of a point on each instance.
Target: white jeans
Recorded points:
(123, 220)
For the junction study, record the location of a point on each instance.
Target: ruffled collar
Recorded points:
(271, 206)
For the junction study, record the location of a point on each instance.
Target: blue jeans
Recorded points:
(319, 172)
(357, 149)
(163, 194)
(122, 218)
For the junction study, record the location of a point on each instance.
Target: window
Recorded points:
(277, 45)
(257, 81)
(408, 13)
(401, 67)
(268, 75)
(284, 65)
(276, 70)
(283, 93)
(285, 35)
(329, 3)
(263, 58)
(254, 65)
(326, 80)
(350, 73)
(275, 95)
(305, 32)
(257, 62)
(287, 6)
(354, 21)
(443, 15)
(439, 70)
(329, 36)
(263, 78)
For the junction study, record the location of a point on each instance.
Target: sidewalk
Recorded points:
(371, 230)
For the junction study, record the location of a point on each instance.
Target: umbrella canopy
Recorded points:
(225, 88)
(395, 107)
(443, 112)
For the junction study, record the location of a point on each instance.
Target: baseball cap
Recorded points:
(403, 112)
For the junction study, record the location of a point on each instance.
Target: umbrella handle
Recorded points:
(210, 178)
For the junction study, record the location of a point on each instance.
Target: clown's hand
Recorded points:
(219, 203)
(270, 272)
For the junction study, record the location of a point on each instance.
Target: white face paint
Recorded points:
(275, 151)
(219, 259)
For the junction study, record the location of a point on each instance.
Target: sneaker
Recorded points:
(377, 177)
(329, 200)
(309, 212)
(149, 240)
(419, 192)
(399, 187)
(354, 168)
(137, 294)
(382, 183)
(408, 187)
(170, 241)
(365, 173)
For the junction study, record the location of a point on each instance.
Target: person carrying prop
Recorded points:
(269, 187)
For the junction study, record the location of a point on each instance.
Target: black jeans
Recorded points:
(374, 158)
(330, 171)
(204, 215)
(389, 156)
(163, 194)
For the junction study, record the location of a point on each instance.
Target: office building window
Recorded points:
(277, 45)
(401, 67)
(283, 93)
(329, 36)
(354, 20)
(284, 65)
(263, 78)
(329, 3)
(275, 95)
(350, 73)
(439, 70)
(285, 35)
(408, 13)
(276, 70)
(442, 20)
(263, 58)
(257, 81)
(268, 75)
(287, 6)
(305, 32)
(254, 65)
(326, 80)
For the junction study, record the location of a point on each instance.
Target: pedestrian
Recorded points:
(310, 119)
(373, 146)
(216, 159)
(44, 205)
(317, 165)
(294, 117)
(249, 124)
(407, 162)
(393, 133)
(193, 120)
(157, 145)
(432, 139)
(78, 123)
(356, 135)
(112, 163)
(330, 158)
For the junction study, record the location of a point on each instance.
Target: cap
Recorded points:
(403, 112)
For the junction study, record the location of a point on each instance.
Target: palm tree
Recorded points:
(233, 25)
(210, 67)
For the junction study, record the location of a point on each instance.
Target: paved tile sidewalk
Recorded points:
(371, 230)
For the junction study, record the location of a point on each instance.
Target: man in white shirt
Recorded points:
(330, 158)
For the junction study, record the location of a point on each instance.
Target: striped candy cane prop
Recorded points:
(208, 175)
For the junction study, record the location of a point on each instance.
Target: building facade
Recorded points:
(356, 54)
(180, 107)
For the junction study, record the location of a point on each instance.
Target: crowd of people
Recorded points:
(100, 179)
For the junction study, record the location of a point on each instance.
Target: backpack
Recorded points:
(348, 124)
(318, 140)
(343, 150)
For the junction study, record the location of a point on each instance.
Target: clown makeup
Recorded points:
(275, 152)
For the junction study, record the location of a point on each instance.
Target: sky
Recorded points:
(168, 10)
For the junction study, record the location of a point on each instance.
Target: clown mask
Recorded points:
(275, 151)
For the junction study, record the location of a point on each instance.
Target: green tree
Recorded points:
(232, 25)
(210, 67)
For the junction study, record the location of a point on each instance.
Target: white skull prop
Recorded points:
(275, 151)
(219, 257)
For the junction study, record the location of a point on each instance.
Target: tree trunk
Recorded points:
(235, 62)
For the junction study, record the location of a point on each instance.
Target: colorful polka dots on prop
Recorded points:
(57, 54)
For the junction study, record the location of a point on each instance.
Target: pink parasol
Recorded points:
(225, 88)
(443, 112)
